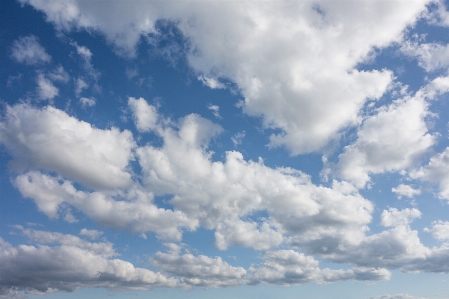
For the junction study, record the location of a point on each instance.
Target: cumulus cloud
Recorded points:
(246, 234)
(132, 210)
(288, 267)
(219, 193)
(436, 171)
(394, 217)
(211, 82)
(405, 190)
(439, 230)
(105, 249)
(393, 139)
(431, 56)
(145, 115)
(45, 88)
(199, 270)
(307, 86)
(90, 233)
(50, 139)
(68, 267)
(28, 50)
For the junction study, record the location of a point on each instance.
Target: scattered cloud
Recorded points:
(28, 50)
(394, 217)
(90, 233)
(199, 270)
(405, 190)
(439, 230)
(39, 138)
(87, 102)
(436, 171)
(238, 138)
(215, 110)
(44, 269)
(211, 82)
(288, 267)
(393, 139)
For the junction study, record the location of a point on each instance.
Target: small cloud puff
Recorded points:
(405, 190)
(87, 102)
(28, 50)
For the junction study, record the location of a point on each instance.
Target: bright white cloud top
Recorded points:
(167, 147)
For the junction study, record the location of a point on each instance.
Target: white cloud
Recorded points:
(132, 210)
(405, 190)
(105, 249)
(439, 230)
(330, 222)
(28, 50)
(393, 139)
(83, 51)
(45, 88)
(80, 85)
(59, 74)
(145, 115)
(50, 139)
(431, 56)
(90, 233)
(45, 269)
(288, 267)
(87, 102)
(436, 171)
(238, 137)
(215, 110)
(246, 234)
(211, 82)
(219, 193)
(296, 71)
(91, 72)
(394, 217)
(199, 270)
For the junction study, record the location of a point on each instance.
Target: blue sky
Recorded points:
(194, 149)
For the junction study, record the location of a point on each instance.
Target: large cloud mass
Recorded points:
(294, 62)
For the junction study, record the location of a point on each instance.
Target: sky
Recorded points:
(224, 149)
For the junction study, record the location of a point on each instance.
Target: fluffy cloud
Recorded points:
(43, 237)
(219, 193)
(436, 171)
(50, 139)
(288, 267)
(439, 230)
(28, 50)
(393, 139)
(405, 190)
(132, 210)
(199, 270)
(430, 56)
(90, 233)
(145, 116)
(68, 267)
(45, 88)
(297, 72)
(394, 217)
